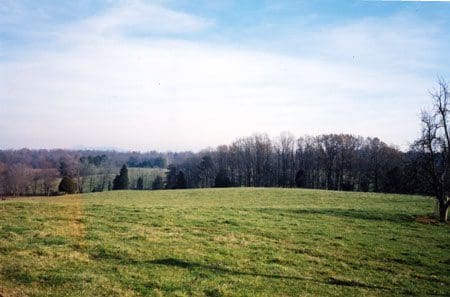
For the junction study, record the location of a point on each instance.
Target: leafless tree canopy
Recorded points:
(434, 146)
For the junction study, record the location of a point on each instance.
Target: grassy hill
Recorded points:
(222, 242)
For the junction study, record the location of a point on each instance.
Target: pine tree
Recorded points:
(121, 181)
(125, 181)
(140, 183)
(116, 183)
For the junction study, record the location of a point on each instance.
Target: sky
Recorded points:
(189, 74)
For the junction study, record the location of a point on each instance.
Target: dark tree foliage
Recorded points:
(171, 177)
(116, 183)
(94, 160)
(67, 185)
(68, 167)
(394, 180)
(158, 183)
(206, 172)
(64, 168)
(180, 181)
(222, 180)
(300, 178)
(140, 183)
(135, 161)
(347, 187)
(121, 181)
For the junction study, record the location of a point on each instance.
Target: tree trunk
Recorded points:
(443, 210)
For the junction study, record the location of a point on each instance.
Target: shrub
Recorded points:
(67, 185)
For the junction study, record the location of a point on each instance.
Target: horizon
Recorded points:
(196, 151)
(186, 76)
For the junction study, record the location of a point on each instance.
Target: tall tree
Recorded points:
(181, 181)
(121, 181)
(171, 177)
(434, 143)
(206, 174)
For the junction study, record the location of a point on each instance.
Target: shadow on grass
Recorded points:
(217, 269)
(371, 215)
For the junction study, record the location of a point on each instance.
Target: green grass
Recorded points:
(222, 242)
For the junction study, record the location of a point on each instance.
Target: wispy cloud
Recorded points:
(97, 85)
(144, 18)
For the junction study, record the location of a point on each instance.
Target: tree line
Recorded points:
(341, 162)
(331, 161)
(38, 172)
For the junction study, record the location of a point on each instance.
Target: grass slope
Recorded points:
(222, 242)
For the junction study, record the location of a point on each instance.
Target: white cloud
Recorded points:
(401, 42)
(138, 17)
(106, 89)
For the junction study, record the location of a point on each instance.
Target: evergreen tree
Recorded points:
(125, 181)
(140, 183)
(158, 183)
(171, 177)
(116, 183)
(67, 185)
(181, 181)
(121, 181)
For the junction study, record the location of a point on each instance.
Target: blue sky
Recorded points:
(175, 75)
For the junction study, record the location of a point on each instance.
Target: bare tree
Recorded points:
(17, 179)
(207, 171)
(3, 185)
(434, 143)
(49, 180)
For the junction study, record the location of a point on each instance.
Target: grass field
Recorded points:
(222, 242)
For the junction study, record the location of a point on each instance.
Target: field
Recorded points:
(147, 174)
(222, 242)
